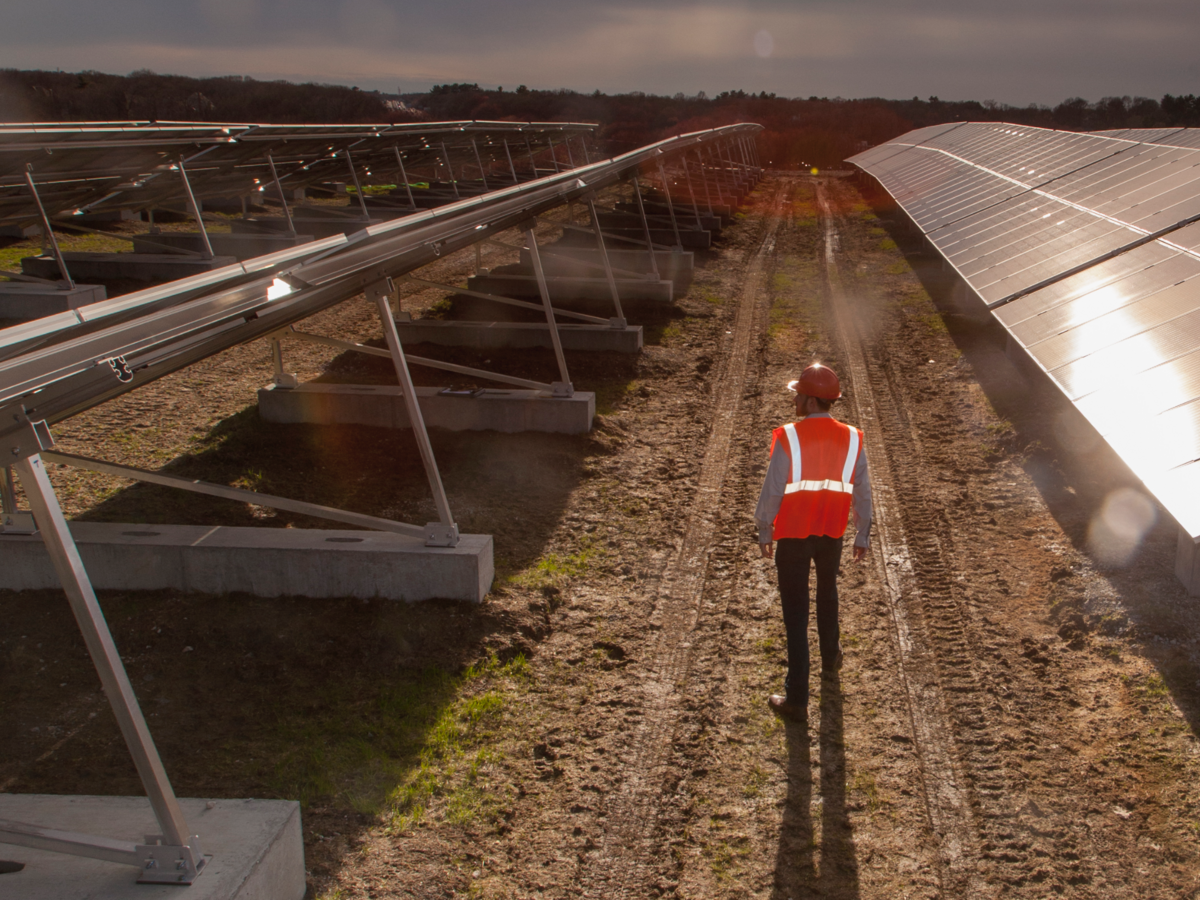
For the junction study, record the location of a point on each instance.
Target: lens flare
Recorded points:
(764, 44)
(1117, 529)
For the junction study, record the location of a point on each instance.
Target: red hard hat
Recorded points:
(818, 381)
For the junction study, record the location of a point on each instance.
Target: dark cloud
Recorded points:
(1017, 52)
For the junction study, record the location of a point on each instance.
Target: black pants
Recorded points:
(792, 559)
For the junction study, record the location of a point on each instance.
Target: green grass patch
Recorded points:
(887, 244)
(555, 569)
(420, 745)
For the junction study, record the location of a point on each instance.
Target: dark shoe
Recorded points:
(788, 709)
(834, 665)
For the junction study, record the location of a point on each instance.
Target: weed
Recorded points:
(887, 244)
(755, 781)
(899, 268)
(864, 783)
(553, 569)
(766, 647)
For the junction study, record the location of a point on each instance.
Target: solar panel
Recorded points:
(1086, 247)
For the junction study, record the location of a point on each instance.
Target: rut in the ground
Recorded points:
(626, 859)
(944, 640)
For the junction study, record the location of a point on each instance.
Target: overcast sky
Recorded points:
(1012, 51)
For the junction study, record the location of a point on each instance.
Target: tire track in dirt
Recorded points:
(911, 565)
(964, 651)
(626, 859)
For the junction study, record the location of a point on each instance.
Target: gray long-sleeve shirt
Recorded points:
(779, 473)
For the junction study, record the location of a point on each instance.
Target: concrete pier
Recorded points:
(239, 246)
(689, 237)
(678, 267)
(256, 846)
(521, 334)
(102, 267)
(506, 410)
(22, 300)
(525, 287)
(265, 562)
(684, 219)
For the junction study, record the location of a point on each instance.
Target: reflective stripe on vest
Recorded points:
(799, 484)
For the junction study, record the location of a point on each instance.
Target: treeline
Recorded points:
(814, 131)
(35, 96)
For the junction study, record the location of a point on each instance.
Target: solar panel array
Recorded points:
(1086, 247)
(104, 166)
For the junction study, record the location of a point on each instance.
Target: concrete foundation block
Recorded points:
(689, 238)
(156, 267)
(265, 562)
(33, 301)
(521, 334)
(508, 411)
(525, 287)
(1187, 563)
(256, 846)
(239, 246)
(569, 261)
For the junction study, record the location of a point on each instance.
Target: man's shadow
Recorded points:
(796, 876)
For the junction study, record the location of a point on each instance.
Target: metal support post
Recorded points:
(183, 847)
(479, 162)
(478, 259)
(570, 155)
(704, 179)
(511, 167)
(444, 532)
(562, 388)
(450, 169)
(619, 321)
(717, 179)
(637, 192)
(662, 174)
(404, 177)
(287, 213)
(282, 379)
(532, 161)
(362, 200)
(687, 176)
(587, 157)
(195, 208)
(47, 231)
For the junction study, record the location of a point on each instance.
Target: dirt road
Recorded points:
(1016, 716)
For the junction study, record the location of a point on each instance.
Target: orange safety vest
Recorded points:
(817, 500)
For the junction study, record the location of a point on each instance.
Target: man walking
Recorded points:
(817, 476)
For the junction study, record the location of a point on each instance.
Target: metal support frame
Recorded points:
(510, 301)
(362, 200)
(662, 174)
(650, 248)
(532, 161)
(479, 162)
(717, 180)
(573, 259)
(511, 167)
(444, 532)
(587, 157)
(562, 388)
(423, 361)
(287, 213)
(47, 231)
(687, 176)
(240, 495)
(8, 494)
(704, 180)
(570, 155)
(450, 169)
(608, 271)
(195, 208)
(554, 155)
(175, 856)
(404, 178)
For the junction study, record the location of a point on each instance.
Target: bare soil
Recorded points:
(1017, 712)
